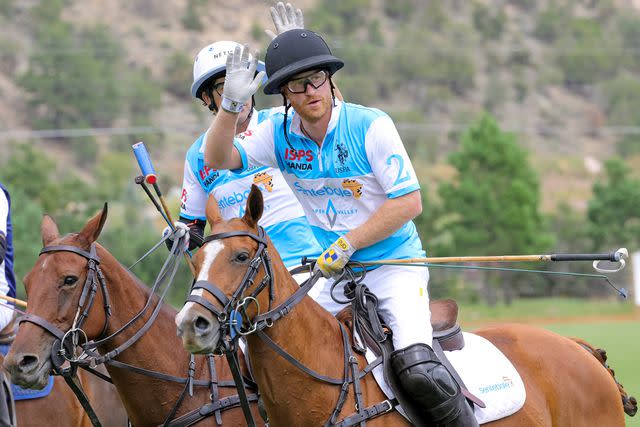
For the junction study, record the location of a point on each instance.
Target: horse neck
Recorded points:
(158, 349)
(308, 332)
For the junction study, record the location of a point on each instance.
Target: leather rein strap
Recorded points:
(351, 374)
(89, 290)
(86, 301)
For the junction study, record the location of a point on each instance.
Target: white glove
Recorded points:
(180, 230)
(240, 81)
(285, 19)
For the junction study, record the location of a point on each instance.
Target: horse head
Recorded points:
(60, 295)
(232, 285)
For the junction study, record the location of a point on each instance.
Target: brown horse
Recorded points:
(54, 287)
(565, 385)
(62, 405)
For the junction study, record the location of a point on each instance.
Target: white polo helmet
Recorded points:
(211, 61)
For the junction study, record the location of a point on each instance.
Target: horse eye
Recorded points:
(242, 257)
(70, 280)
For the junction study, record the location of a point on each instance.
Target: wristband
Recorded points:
(233, 107)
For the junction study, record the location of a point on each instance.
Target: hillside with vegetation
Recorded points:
(522, 117)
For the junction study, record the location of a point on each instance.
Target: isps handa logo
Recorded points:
(208, 175)
(299, 159)
(265, 180)
(354, 186)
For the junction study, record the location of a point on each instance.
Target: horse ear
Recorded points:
(92, 229)
(49, 230)
(255, 205)
(213, 211)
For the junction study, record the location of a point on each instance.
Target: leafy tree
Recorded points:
(339, 16)
(496, 194)
(629, 26)
(78, 69)
(493, 203)
(614, 209)
(622, 104)
(586, 55)
(551, 23)
(491, 26)
(191, 17)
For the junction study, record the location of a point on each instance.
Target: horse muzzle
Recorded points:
(199, 331)
(28, 370)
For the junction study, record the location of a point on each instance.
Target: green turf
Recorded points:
(532, 309)
(621, 341)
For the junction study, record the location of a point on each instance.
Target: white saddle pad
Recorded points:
(486, 372)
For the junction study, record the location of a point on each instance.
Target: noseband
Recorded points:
(233, 315)
(89, 290)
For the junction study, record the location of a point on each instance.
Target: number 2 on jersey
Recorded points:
(403, 175)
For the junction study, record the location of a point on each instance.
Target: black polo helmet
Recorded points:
(293, 52)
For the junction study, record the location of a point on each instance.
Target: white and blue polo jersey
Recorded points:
(340, 184)
(7, 277)
(283, 218)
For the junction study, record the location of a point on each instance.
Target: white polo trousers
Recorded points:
(403, 302)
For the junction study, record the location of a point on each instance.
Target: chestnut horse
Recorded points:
(62, 405)
(565, 384)
(54, 287)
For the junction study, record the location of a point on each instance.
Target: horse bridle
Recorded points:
(233, 315)
(94, 278)
(229, 317)
(65, 348)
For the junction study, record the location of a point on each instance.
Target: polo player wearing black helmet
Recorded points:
(348, 167)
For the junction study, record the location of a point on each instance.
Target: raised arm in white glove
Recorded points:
(285, 18)
(241, 81)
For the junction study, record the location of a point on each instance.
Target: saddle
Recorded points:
(447, 335)
(444, 317)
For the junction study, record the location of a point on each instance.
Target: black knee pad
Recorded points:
(429, 384)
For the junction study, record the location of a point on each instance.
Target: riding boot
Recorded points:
(431, 387)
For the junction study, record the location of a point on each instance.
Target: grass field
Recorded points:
(611, 325)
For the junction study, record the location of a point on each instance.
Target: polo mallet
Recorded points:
(16, 301)
(140, 181)
(149, 176)
(616, 256)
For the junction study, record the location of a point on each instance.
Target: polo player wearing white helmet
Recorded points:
(284, 219)
(359, 191)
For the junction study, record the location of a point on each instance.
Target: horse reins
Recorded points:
(59, 353)
(89, 290)
(228, 319)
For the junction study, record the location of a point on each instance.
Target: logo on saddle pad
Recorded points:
(265, 180)
(505, 384)
(354, 186)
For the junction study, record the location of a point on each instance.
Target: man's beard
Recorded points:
(313, 115)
